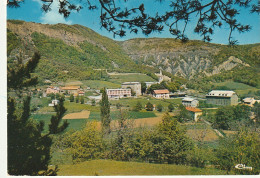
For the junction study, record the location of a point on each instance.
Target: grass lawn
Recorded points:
(98, 84)
(108, 167)
(71, 107)
(239, 88)
(131, 102)
(130, 78)
(75, 124)
(115, 115)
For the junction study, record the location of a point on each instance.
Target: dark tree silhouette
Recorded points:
(28, 147)
(105, 113)
(209, 15)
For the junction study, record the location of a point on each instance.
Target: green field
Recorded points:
(131, 102)
(98, 84)
(108, 167)
(71, 107)
(130, 78)
(75, 124)
(115, 115)
(239, 88)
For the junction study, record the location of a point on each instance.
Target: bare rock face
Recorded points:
(181, 59)
(227, 65)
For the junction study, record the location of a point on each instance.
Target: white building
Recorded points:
(164, 93)
(119, 93)
(190, 102)
(135, 86)
(54, 102)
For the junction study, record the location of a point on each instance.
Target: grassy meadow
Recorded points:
(239, 88)
(131, 102)
(98, 84)
(108, 167)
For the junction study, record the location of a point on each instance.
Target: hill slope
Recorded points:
(68, 51)
(191, 58)
(74, 51)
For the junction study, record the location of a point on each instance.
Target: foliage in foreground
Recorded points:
(242, 148)
(28, 146)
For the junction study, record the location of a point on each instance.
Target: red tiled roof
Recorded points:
(193, 109)
(161, 91)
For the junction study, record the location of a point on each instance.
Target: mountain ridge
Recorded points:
(85, 48)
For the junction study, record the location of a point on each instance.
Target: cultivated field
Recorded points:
(78, 83)
(79, 115)
(108, 167)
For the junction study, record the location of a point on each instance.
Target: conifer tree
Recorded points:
(28, 146)
(105, 113)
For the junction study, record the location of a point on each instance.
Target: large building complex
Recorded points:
(222, 97)
(135, 86)
(119, 93)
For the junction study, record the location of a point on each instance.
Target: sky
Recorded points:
(30, 10)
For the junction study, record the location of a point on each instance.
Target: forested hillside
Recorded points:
(75, 51)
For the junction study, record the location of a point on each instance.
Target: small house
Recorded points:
(195, 113)
(161, 94)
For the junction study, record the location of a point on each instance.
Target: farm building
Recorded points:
(52, 89)
(190, 102)
(70, 89)
(135, 86)
(250, 101)
(195, 112)
(164, 93)
(119, 93)
(222, 97)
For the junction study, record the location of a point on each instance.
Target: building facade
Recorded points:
(119, 93)
(190, 102)
(135, 86)
(161, 94)
(195, 113)
(222, 97)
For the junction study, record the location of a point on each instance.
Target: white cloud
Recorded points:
(53, 16)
